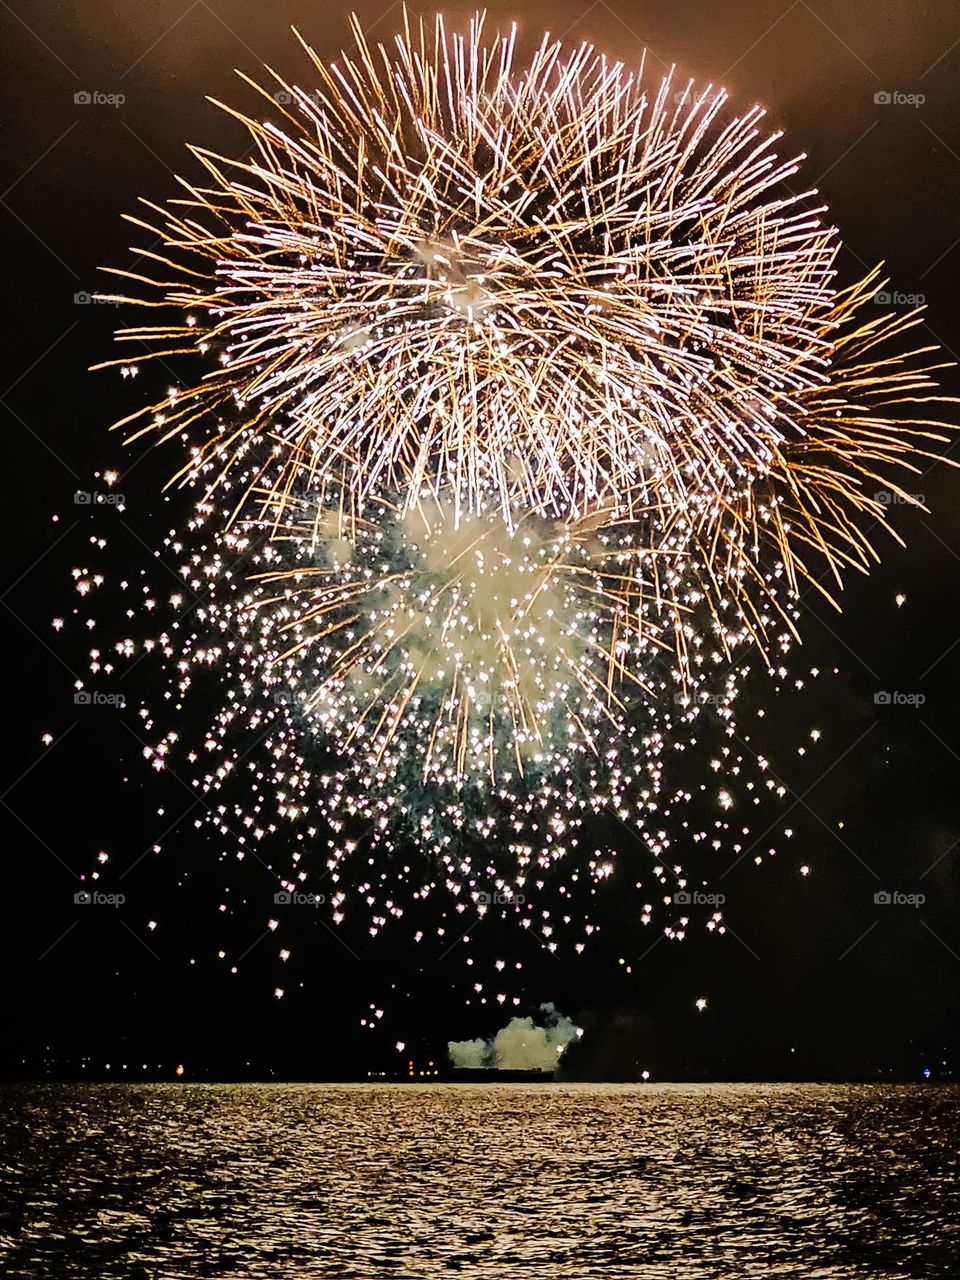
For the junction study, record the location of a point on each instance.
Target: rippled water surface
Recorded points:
(290, 1182)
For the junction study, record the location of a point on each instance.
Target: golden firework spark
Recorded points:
(542, 282)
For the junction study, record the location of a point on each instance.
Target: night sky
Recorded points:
(813, 979)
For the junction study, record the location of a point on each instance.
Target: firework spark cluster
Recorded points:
(529, 404)
(310, 764)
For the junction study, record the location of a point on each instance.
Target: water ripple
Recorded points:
(677, 1182)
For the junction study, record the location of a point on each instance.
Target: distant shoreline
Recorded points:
(494, 1080)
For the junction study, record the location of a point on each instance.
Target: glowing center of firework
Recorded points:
(471, 643)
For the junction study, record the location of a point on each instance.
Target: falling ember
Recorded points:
(485, 700)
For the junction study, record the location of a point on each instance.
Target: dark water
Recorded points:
(290, 1182)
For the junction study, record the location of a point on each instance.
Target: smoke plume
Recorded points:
(522, 1045)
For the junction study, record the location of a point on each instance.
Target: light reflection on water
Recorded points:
(290, 1182)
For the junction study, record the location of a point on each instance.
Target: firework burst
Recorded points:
(546, 280)
(530, 404)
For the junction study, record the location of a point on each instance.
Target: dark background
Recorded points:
(813, 979)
